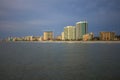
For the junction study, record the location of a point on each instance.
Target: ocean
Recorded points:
(59, 61)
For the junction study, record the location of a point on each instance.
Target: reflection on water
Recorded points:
(59, 61)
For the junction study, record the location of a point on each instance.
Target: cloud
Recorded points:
(42, 14)
(10, 26)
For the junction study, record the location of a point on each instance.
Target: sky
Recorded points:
(32, 17)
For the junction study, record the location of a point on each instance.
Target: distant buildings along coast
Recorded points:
(70, 33)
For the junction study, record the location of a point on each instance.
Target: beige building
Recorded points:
(107, 36)
(62, 36)
(88, 37)
(48, 35)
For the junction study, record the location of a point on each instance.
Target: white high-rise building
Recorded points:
(69, 33)
(62, 35)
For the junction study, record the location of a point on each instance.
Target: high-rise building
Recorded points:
(48, 35)
(65, 33)
(107, 36)
(62, 35)
(69, 33)
(81, 29)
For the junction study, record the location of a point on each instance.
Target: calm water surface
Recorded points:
(59, 61)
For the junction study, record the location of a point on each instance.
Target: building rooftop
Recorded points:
(81, 22)
(48, 31)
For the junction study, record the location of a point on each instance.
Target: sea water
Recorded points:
(59, 61)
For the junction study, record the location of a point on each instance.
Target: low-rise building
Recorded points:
(59, 37)
(37, 38)
(88, 37)
(107, 36)
(28, 38)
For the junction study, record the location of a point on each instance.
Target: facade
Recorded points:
(69, 33)
(62, 36)
(48, 35)
(28, 38)
(37, 38)
(19, 39)
(59, 37)
(65, 33)
(81, 29)
(107, 36)
(88, 37)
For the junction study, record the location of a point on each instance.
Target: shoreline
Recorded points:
(68, 41)
(79, 41)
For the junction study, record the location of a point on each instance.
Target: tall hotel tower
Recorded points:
(81, 29)
(69, 33)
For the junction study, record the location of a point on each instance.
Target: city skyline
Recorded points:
(70, 33)
(76, 32)
(33, 17)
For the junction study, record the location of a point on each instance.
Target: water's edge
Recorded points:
(71, 41)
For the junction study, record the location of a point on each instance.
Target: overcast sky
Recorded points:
(33, 17)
